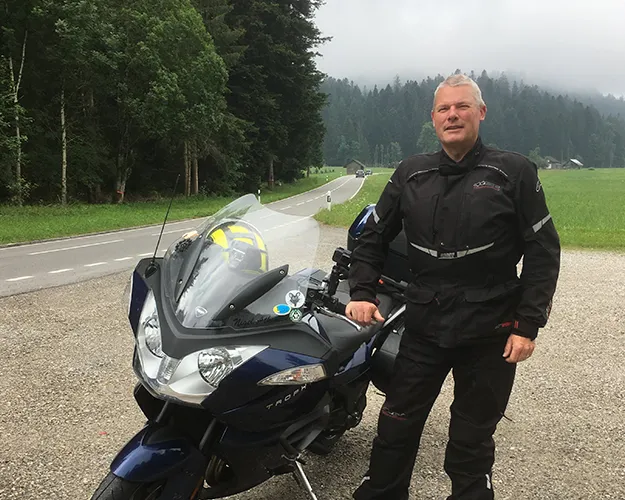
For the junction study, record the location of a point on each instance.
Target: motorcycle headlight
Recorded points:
(149, 326)
(217, 363)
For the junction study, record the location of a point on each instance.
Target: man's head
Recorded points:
(457, 112)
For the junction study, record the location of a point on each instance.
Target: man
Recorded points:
(470, 213)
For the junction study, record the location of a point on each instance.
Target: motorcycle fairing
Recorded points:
(154, 453)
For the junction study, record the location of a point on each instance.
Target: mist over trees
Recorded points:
(100, 99)
(379, 125)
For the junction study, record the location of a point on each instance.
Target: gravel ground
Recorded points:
(66, 384)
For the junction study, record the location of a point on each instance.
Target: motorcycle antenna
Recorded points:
(151, 268)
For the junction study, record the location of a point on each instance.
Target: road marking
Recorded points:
(285, 208)
(145, 254)
(176, 231)
(292, 222)
(75, 247)
(60, 271)
(20, 278)
(358, 190)
(95, 264)
(123, 258)
(323, 187)
(107, 233)
(301, 203)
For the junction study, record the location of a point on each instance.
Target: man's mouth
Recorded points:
(454, 127)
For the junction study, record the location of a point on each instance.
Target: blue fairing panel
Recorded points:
(152, 454)
(358, 225)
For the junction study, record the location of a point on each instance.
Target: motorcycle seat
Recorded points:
(345, 338)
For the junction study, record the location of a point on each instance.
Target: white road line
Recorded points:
(284, 208)
(107, 233)
(20, 278)
(60, 271)
(335, 189)
(145, 254)
(95, 264)
(292, 222)
(301, 203)
(324, 187)
(75, 247)
(123, 258)
(358, 190)
(176, 231)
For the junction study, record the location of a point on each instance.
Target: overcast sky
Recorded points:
(569, 43)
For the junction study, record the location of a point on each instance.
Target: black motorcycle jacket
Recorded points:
(467, 225)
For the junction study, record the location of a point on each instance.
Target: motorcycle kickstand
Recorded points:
(302, 480)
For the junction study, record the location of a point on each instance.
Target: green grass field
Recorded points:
(30, 223)
(588, 206)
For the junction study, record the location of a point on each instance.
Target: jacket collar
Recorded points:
(447, 166)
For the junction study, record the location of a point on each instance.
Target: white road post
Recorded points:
(329, 200)
(259, 196)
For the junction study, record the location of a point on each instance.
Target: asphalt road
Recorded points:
(30, 267)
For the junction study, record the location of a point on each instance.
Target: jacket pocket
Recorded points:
(419, 295)
(479, 295)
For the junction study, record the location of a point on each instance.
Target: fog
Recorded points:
(564, 44)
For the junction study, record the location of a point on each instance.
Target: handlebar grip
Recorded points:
(337, 307)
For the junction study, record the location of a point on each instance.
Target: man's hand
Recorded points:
(363, 312)
(518, 349)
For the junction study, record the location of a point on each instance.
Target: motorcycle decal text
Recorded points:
(286, 398)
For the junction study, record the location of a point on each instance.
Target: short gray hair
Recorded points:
(457, 81)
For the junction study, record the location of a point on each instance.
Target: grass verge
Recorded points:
(31, 223)
(588, 206)
(344, 214)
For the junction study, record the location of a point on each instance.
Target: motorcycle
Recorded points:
(244, 365)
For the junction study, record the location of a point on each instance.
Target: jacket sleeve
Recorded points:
(541, 254)
(383, 225)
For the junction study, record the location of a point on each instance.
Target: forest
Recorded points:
(101, 100)
(379, 127)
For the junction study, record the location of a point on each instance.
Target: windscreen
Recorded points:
(227, 271)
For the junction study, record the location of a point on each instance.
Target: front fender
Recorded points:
(155, 453)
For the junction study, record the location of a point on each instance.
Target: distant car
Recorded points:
(360, 173)
(368, 172)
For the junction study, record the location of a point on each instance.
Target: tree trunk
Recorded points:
(120, 185)
(124, 154)
(63, 150)
(187, 170)
(122, 176)
(15, 88)
(308, 171)
(271, 178)
(196, 180)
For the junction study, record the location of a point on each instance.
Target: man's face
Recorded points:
(456, 116)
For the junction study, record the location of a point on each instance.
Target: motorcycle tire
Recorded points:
(115, 488)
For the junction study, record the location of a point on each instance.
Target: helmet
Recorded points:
(242, 246)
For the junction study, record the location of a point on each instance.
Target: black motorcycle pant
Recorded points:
(483, 382)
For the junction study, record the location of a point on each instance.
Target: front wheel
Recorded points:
(116, 488)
